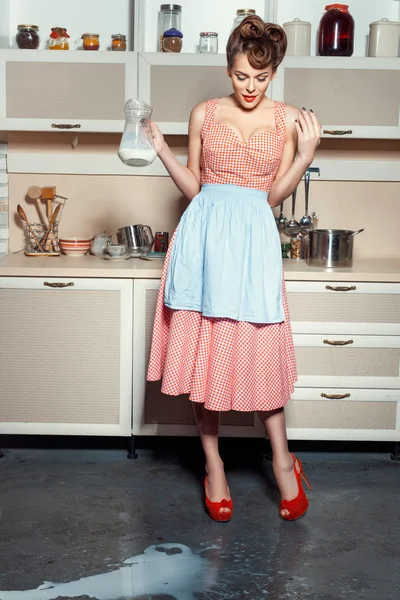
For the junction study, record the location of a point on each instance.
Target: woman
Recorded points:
(222, 332)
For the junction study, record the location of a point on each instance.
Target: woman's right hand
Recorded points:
(158, 138)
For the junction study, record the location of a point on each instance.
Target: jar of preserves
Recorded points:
(118, 42)
(208, 43)
(169, 17)
(28, 37)
(172, 40)
(241, 14)
(59, 39)
(336, 31)
(91, 41)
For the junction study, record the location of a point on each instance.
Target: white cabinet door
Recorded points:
(153, 412)
(344, 308)
(174, 84)
(356, 97)
(66, 356)
(53, 91)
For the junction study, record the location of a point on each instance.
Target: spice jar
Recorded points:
(241, 14)
(59, 39)
(28, 37)
(208, 43)
(91, 41)
(336, 31)
(172, 40)
(118, 42)
(298, 35)
(169, 17)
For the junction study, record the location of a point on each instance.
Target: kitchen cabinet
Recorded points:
(347, 346)
(353, 98)
(66, 356)
(158, 414)
(59, 91)
(174, 84)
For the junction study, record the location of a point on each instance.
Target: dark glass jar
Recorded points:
(28, 37)
(336, 31)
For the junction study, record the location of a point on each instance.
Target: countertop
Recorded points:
(19, 265)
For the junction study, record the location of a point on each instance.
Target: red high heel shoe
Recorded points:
(298, 506)
(215, 508)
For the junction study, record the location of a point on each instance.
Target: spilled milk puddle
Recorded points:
(167, 570)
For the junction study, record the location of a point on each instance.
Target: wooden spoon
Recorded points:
(53, 218)
(24, 218)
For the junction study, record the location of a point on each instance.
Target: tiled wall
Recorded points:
(4, 230)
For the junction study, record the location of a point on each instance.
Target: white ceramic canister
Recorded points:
(384, 39)
(298, 35)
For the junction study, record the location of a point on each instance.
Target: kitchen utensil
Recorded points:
(137, 147)
(292, 227)
(331, 247)
(138, 237)
(281, 220)
(34, 193)
(306, 221)
(52, 220)
(99, 243)
(24, 218)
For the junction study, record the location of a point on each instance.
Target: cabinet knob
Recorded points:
(338, 342)
(335, 396)
(339, 288)
(58, 284)
(337, 131)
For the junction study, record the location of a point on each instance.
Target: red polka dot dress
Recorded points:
(222, 334)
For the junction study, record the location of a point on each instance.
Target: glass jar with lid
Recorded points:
(172, 41)
(336, 31)
(118, 42)
(91, 41)
(169, 17)
(59, 39)
(208, 43)
(28, 37)
(241, 14)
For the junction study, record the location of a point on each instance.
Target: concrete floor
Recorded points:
(97, 526)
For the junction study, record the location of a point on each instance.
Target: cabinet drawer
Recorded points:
(334, 307)
(362, 361)
(345, 409)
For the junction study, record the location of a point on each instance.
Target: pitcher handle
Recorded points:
(355, 232)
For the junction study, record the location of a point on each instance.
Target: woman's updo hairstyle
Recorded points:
(264, 44)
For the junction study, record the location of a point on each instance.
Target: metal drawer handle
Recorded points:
(338, 132)
(65, 126)
(339, 288)
(335, 396)
(338, 342)
(58, 284)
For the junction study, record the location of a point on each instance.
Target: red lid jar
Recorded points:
(336, 31)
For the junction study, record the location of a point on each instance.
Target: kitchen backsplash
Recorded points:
(106, 202)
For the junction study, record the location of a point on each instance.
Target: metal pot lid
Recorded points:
(176, 7)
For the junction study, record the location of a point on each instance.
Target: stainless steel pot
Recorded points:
(331, 247)
(138, 237)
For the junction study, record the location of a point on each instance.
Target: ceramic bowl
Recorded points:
(117, 249)
(74, 246)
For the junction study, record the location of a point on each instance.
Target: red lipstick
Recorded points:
(249, 98)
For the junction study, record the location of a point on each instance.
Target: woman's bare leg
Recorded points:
(282, 463)
(208, 426)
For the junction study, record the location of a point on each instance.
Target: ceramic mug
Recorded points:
(117, 249)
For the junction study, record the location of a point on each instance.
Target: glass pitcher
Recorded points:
(137, 148)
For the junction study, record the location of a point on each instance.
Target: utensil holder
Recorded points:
(41, 240)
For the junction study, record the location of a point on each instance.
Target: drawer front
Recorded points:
(356, 361)
(344, 308)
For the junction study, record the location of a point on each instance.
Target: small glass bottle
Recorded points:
(172, 40)
(208, 43)
(118, 42)
(28, 37)
(336, 31)
(59, 39)
(241, 14)
(169, 17)
(91, 41)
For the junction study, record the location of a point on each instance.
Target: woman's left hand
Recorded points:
(308, 135)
